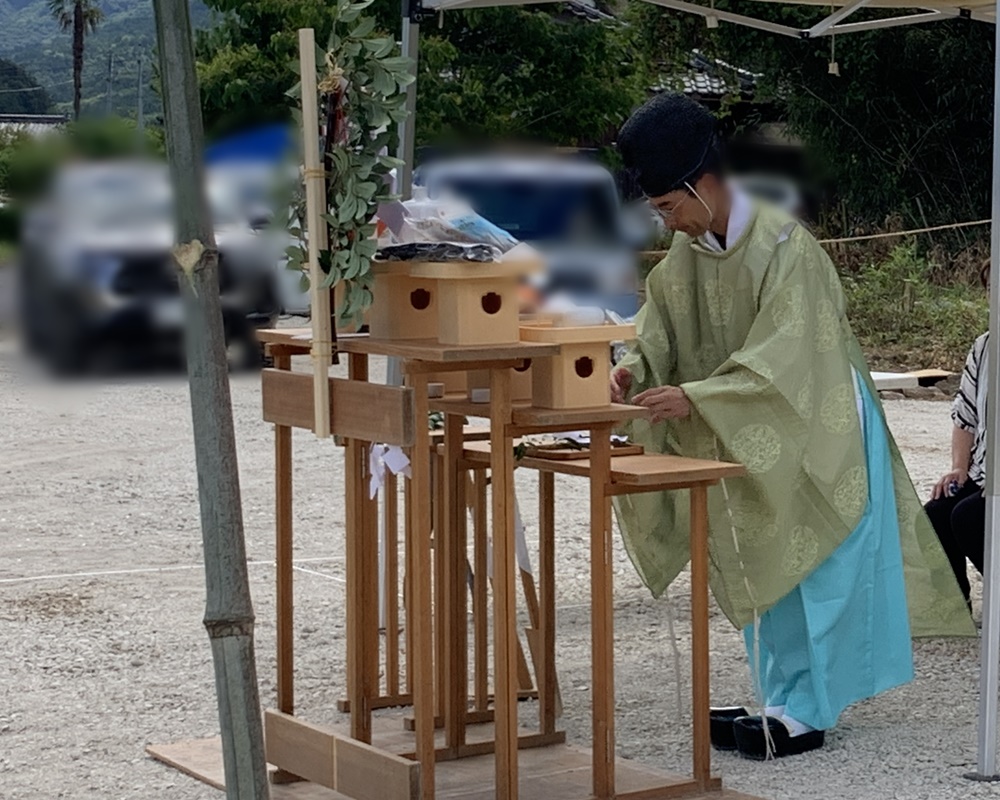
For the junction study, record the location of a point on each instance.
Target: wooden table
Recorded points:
(627, 474)
(421, 359)
(400, 765)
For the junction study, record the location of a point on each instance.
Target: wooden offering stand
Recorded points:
(380, 759)
(577, 377)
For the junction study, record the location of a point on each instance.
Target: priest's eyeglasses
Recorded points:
(668, 213)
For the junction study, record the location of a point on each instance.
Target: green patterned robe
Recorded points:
(758, 339)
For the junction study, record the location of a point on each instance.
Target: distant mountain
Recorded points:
(32, 40)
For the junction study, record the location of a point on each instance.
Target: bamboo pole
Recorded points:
(229, 618)
(322, 336)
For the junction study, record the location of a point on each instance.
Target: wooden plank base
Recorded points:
(201, 759)
(559, 772)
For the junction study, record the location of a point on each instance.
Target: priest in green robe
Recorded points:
(822, 553)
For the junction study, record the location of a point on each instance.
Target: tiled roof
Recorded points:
(31, 124)
(709, 78)
(587, 9)
(32, 129)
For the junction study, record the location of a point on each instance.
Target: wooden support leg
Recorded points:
(480, 624)
(455, 607)
(408, 582)
(699, 636)
(504, 598)
(391, 500)
(438, 515)
(284, 567)
(369, 595)
(283, 556)
(362, 579)
(548, 688)
(602, 615)
(419, 612)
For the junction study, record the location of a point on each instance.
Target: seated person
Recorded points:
(957, 507)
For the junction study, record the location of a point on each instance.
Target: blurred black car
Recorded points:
(97, 274)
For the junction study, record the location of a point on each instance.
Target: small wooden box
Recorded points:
(579, 376)
(520, 382)
(477, 304)
(404, 306)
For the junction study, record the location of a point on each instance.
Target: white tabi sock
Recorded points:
(795, 728)
(775, 711)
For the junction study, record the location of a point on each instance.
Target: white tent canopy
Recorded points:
(839, 21)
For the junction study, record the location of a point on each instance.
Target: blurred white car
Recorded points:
(567, 209)
(96, 269)
(252, 192)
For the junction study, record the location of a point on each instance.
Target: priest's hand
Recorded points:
(621, 382)
(665, 402)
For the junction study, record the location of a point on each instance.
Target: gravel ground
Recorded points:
(101, 597)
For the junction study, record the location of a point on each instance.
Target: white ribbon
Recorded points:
(382, 457)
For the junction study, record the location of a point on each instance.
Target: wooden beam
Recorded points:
(443, 355)
(437, 515)
(456, 584)
(352, 523)
(548, 688)
(526, 741)
(390, 498)
(284, 558)
(506, 643)
(362, 576)
(702, 754)
(480, 596)
(352, 768)
(420, 610)
(461, 366)
(408, 584)
(602, 615)
(358, 410)
(382, 701)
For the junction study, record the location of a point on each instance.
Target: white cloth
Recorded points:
(740, 214)
(382, 457)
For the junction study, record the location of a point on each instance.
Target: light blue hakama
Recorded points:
(843, 634)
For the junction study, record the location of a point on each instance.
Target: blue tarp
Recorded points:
(269, 144)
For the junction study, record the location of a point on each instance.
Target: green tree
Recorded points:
(906, 127)
(525, 73)
(246, 62)
(21, 92)
(79, 16)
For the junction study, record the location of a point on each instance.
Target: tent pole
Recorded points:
(989, 665)
(408, 127)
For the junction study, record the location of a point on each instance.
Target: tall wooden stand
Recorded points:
(378, 758)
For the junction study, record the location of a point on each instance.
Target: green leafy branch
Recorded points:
(363, 83)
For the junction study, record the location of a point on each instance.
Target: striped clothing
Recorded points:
(968, 412)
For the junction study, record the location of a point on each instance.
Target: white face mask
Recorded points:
(711, 214)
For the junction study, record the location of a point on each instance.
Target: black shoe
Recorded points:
(720, 726)
(749, 735)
